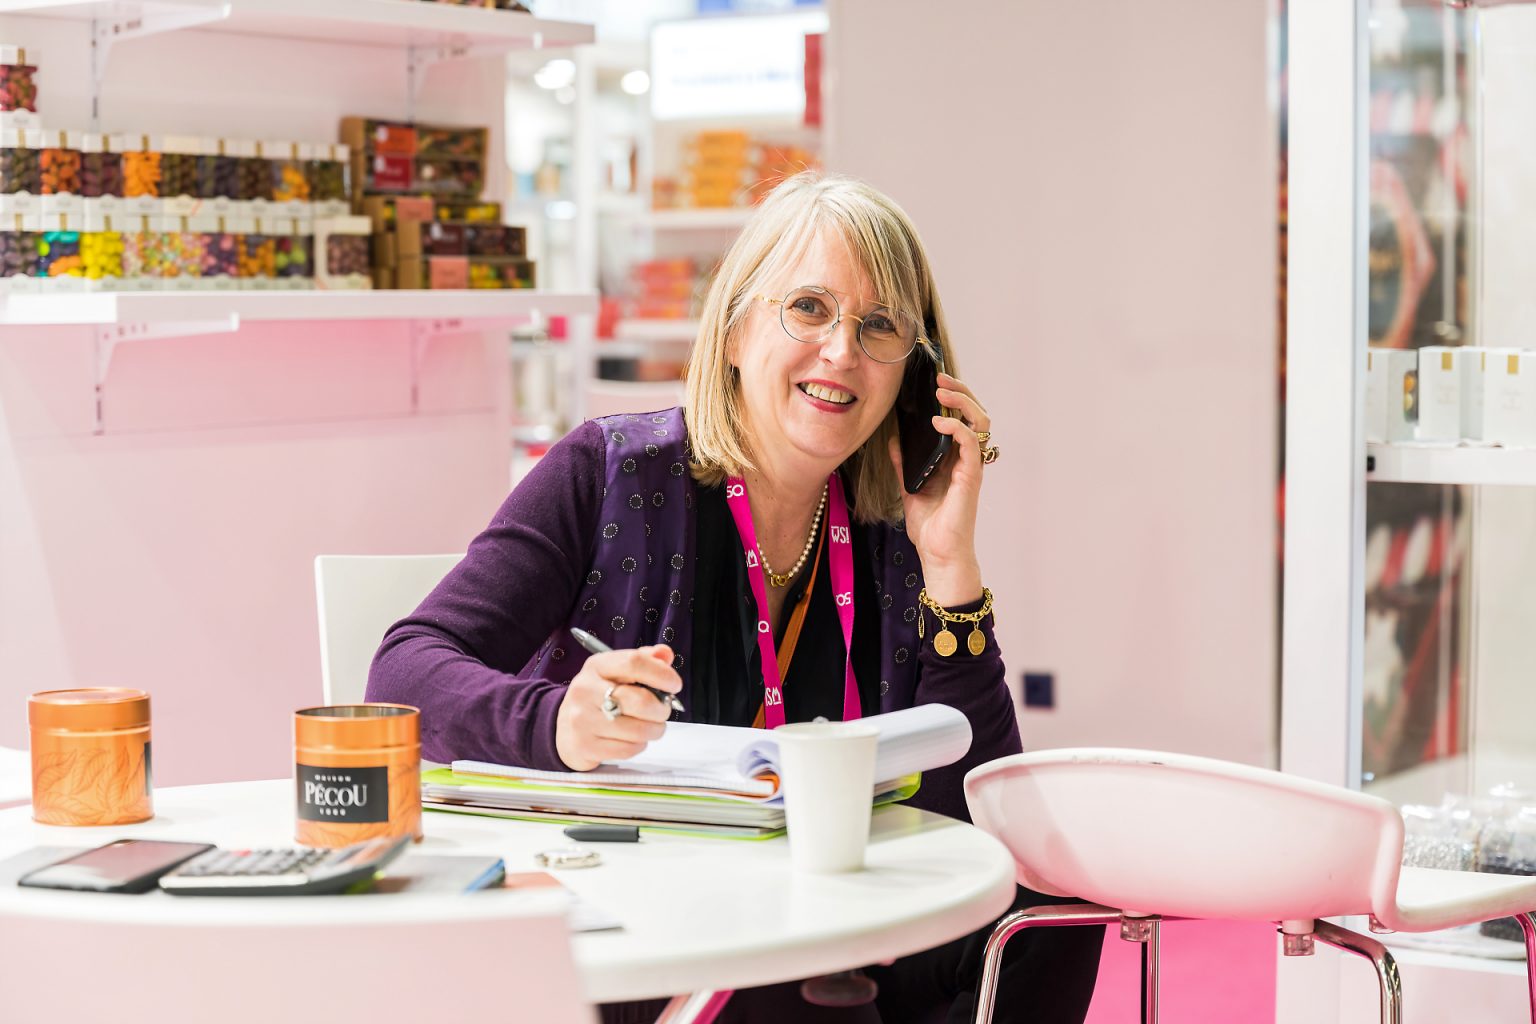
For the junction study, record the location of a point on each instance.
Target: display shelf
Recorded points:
(108, 308)
(657, 330)
(1425, 463)
(383, 23)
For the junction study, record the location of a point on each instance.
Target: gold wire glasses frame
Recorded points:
(886, 335)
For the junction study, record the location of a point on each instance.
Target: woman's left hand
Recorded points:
(941, 516)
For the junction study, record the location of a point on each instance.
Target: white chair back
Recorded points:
(200, 963)
(359, 597)
(609, 397)
(1181, 836)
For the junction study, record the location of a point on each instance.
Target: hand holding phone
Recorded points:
(922, 447)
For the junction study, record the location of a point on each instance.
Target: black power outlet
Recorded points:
(1039, 690)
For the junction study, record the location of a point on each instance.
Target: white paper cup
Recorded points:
(829, 782)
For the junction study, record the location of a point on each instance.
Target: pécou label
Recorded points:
(344, 795)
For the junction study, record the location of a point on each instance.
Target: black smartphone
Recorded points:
(128, 865)
(922, 447)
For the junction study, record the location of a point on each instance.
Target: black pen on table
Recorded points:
(596, 646)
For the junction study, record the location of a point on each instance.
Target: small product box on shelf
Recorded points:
(447, 272)
(329, 187)
(142, 174)
(290, 178)
(18, 251)
(101, 249)
(1509, 405)
(18, 87)
(101, 174)
(59, 265)
(221, 259)
(341, 255)
(1450, 393)
(219, 176)
(178, 174)
(21, 172)
(59, 166)
(1391, 408)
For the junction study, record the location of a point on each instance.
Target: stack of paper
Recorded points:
(702, 779)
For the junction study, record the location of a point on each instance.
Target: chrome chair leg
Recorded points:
(1050, 916)
(1386, 967)
(695, 1008)
(1151, 951)
(1528, 929)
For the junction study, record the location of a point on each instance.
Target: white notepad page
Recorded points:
(733, 759)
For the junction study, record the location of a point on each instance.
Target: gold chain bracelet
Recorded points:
(944, 641)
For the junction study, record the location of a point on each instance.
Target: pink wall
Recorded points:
(1097, 189)
(174, 551)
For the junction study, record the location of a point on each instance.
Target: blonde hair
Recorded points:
(881, 237)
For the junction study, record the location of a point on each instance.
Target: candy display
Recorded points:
(58, 254)
(179, 164)
(18, 253)
(59, 164)
(141, 168)
(20, 164)
(101, 169)
(289, 168)
(326, 170)
(393, 157)
(500, 272)
(18, 85)
(218, 171)
(341, 252)
(255, 173)
(101, 254)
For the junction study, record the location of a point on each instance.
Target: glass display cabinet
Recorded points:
(1409, 646)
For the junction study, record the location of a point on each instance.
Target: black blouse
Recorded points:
(726, 686)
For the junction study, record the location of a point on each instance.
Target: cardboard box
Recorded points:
(1509, 409)
(1391, 409)
(448, 272)
(1450, 393)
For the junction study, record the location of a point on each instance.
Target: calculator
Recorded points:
(281, 871)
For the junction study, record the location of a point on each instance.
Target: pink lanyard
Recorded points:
(842, 588)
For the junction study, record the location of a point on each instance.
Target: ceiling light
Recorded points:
(636, 83)
(556, 74)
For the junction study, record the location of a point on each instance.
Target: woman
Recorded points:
(773, 496)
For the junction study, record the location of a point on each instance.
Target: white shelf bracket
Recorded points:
(136, 21)
(422, 333)
(418, 58)
(110, 336)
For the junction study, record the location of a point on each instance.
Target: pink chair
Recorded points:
(1147, 836)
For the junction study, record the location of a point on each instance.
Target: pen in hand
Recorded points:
(596, 646)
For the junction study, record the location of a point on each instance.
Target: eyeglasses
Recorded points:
(810, 314)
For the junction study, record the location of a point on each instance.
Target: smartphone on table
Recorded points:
(128, 865)
(922, 447)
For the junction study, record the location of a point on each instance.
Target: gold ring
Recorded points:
(989, 455)
(983, 436)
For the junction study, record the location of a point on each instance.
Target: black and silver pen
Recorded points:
(596, 646)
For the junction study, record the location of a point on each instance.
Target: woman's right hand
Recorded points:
(584, 736)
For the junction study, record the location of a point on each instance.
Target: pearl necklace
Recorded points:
(781, 579)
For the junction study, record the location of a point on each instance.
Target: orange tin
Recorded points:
(90, 756)
(357, 771)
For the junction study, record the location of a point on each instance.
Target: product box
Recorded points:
(18, 87)
(410, 272)
(1450, 393)
(21, 171)
(1509, 404)
(447, 271)
(1391, 400)
(59, 165)
(341, 254)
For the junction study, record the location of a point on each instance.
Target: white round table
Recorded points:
(697, 914)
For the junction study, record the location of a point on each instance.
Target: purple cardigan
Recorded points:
(600, 535)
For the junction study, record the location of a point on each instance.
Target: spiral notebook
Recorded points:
(697, 779)
(731, 763)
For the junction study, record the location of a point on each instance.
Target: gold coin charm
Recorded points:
(977, 641)
(944, 642)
